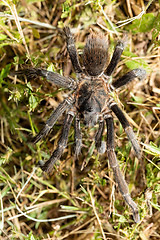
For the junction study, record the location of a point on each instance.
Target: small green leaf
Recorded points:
(32, 102)
(69, 208)
(30, 237)
(151, 149)
(137, 99)
(4, 72)
(135, 63)
(144, 24)
(6, 157)
(50, 68)
(29, 86)
(35, 33)
(66, 8)
(2, 37)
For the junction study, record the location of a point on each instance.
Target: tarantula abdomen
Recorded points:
(95, 54)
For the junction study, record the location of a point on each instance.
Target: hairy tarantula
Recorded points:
(91, 101)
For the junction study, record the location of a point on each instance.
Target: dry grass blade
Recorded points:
(95, 212)
(13, 9)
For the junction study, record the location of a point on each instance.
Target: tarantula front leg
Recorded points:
(53, 118)
(128, 77)
(125, 124)
(116, 57)
(62, 143)
(53, 77)
(114, 164)
(72, 50)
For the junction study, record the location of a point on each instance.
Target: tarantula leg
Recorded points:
(72, 50)
(100, 145)
(53, 77)
(77, 136)
(117, 173)
(115, 58)
(53, 118)
(62, 143)
(125, 124)
(128, 77)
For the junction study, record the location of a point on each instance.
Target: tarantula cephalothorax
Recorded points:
(91, 101)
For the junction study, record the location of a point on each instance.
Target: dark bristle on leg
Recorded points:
(100, 145)
(77, 137)
(128, 77)
(117, 173)
(53, 118)
(125, 124)
(62, 143)
(72, 50)
(53, 77)
(115, 58)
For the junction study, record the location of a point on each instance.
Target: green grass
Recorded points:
(80, 200)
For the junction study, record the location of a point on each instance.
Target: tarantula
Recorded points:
(92, 102)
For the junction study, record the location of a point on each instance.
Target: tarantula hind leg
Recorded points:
(117, 173)
(125, 124)
(62, 143)
(77, 137)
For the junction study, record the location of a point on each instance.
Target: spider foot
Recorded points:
(140, 73)
(136, 216)
(135, 144)
(129, 76)
(48, 166)
(28, 72)
(41, 134)
(77, 147)
(134, 207)
(40, 163)
(102, 148)
(67, 32)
